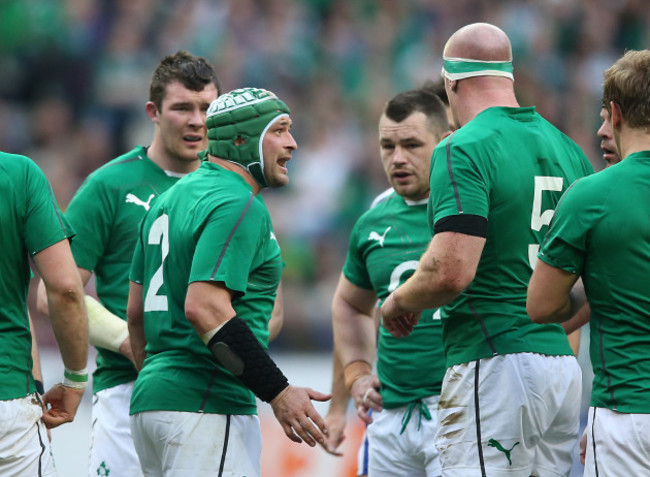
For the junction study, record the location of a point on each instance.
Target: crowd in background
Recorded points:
(75, 77)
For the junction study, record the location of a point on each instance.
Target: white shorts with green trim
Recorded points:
(393, 453)
(111, 449)
(24, 446)
(618, 444)
(510, 415)
(181, 444)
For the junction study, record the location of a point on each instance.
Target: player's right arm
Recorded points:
(208, 307)
(37, 372)
(336, 415)
(446, 268)
(573, 326)
(135, 319)
(551, 295)
(555, 291)
(67, 313)
(355, 344)
(105, 329)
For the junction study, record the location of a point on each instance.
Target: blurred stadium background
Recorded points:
(75, 73)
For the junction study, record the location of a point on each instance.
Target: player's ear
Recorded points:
(616, 115)
(152, 111)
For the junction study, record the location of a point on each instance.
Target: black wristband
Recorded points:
(237, 349)
(40, 389)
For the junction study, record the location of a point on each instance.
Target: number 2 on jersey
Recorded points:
(158, 235)
(539, 218)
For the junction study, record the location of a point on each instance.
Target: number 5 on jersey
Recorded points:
(539, 218)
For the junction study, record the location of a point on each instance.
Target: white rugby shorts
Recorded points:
(413, 453)
(515, 415)
(24, 446)
(181, 444)
(618, 444)
(111, 448)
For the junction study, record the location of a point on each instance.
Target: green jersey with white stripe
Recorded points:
(385, 246)
(208, 227)
(106, 212)
(31, 222)
(601, 231)
(506, 168)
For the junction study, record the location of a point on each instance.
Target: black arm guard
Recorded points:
(467, 224)
(237, 349)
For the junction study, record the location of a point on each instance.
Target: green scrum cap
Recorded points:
(243, 114)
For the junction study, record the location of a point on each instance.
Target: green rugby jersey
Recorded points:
(385, 246)
(31, 221)
(601, 231)
(209, 227)
(508, 166)
(106, 212)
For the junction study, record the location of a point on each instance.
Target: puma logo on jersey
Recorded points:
(379, 238)
(131, 199)
(497, 445)
(273, 237)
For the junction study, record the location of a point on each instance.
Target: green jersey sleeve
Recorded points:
(458, 184)
(44, 222)
(565, 244)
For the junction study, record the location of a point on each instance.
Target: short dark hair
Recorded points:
(439, 88)
(193, 72)
(424, 100)
(627, 83)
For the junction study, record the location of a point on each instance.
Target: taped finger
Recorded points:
(365, 396)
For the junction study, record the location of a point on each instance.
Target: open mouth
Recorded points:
(192, 138)
(282, 162)
(608, 153)
(401, 175)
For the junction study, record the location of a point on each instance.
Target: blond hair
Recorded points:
(627, 83)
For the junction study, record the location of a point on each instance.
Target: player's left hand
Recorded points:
(297, 416)
(335, 423)
(583, 447)
(125, 350)
(365, 392)
(396, 320)
(63, 403)
(39, 400)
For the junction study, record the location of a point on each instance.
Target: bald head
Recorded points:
(477, 67)
(479, 41)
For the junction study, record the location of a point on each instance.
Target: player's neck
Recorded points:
(631, 140)
(158, 155)
(237, 169)
(477, 101)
